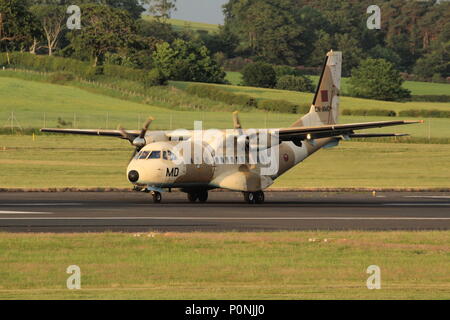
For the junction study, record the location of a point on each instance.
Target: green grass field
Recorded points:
(183, 25)
(37, 105)
(346, 102)
(416, 87)
(73, 161)
(288, 265)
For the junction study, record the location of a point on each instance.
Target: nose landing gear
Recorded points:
(254, 197)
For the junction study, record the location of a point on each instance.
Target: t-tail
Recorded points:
(325, 107)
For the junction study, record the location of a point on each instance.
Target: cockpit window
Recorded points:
(155, 155)
(169, 155)
(144, 155)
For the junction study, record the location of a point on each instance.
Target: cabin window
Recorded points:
(155, 155)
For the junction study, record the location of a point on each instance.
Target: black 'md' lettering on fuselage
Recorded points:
(172, 173)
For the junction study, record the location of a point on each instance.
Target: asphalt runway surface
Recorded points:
(225, 211)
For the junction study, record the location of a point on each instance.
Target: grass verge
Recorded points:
(283, 265)
(51, 161)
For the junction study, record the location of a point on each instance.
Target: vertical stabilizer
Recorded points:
(325, 107)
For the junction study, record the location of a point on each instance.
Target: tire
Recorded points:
(157, 197)
(203, 196)
(192, 197)
(250, 197)
(260, 197)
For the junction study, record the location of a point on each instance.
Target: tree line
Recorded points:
(414, 35)
(111, 33)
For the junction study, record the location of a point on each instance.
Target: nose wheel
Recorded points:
(157, 197)
(254, 197)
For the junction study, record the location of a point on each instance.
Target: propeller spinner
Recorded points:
(139, 142)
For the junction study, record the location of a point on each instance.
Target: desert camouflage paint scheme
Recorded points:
(153, 167)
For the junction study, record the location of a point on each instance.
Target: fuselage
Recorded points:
(160, 165)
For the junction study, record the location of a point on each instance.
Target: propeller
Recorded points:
(236, 120)
(139, 142)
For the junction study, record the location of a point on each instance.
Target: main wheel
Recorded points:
(203, 196)
(260, 197)
(192, 196)
(249, 197)
(157, 197)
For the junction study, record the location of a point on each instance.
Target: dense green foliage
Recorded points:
(377, 79)
(185, 61)
(300, 32)
(245, 101)
(259, 74)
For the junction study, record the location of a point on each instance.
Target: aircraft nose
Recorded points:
(133, 176)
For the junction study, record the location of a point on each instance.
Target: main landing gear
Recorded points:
(201, 196)
(254, 197)
(157, 197)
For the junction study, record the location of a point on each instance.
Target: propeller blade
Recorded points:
(236, 120)
(146, 126)
(134, 154)
(125, 135)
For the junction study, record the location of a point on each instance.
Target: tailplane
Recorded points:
(325, 107)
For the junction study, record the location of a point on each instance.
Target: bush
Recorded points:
(377, 79)
(369, 112)
(295, 83)
(431, 98)
(259, 74)
(425, 113)
(61, 77)
(224, 96)
(155, 78)
(281, 106)
(281, 71)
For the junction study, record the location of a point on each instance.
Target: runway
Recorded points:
(225, 211)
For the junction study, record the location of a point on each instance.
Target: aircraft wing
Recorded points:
(327, 131)
(105, 133)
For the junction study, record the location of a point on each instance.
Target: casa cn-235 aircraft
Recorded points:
(155, 165)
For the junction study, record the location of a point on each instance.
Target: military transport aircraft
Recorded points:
(159, 163)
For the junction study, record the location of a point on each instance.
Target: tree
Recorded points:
(18, 26)
(437, 61)
(52, 20)
(259, 74)
(104, 29)
(187, 61)
(161, 9)
(377, 79)
(133, 7)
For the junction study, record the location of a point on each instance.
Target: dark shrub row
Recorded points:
(425, 113)
(431, 98)
(224, 96)
(369, 112)
(227, 97)
(390, 113)
(47, 64)
(76, 67)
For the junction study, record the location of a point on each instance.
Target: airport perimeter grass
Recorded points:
(74, 161)
(283, 265)
(36, 105)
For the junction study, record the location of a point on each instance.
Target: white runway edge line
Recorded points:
(39, 204)
(23, 212)
(230, 218)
